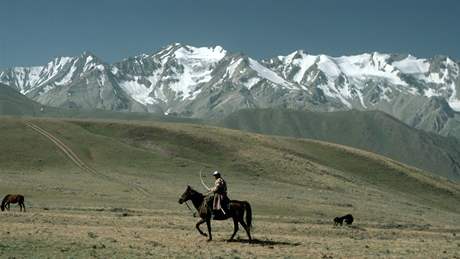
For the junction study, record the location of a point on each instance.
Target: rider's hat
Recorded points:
(216, 173)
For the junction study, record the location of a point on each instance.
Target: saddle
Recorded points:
(217, 213)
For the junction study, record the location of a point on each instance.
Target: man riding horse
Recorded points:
(220, 200)
(215, 205)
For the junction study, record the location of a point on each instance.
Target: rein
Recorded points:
(193, 213)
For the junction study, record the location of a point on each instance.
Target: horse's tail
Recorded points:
(248, 209)
(4, 201)
(21, 202)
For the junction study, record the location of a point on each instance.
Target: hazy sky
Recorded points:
(33, 31)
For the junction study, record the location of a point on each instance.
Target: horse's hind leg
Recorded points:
(248, 231)
(23, 206)
(235, 228)
(198, 227)
(208, 224)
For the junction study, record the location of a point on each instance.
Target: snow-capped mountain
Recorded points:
(173, 75)
(83, 81)
(422, 92)
(210, 82)
(347, 78)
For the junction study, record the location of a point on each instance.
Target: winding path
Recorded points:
(78, 162)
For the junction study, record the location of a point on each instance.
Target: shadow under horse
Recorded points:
(236, 211)
(13, 198)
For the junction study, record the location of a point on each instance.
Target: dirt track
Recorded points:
(78, 162)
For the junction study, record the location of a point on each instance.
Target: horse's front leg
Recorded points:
(208, 224)
(235, 228)
(198, 227)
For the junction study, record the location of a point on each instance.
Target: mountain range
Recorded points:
(211, 82)
(373, 131)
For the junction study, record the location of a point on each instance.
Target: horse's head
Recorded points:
(3, 205)
(187, 195)
(5, 199)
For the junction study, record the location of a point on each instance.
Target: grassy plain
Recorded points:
(129, 208)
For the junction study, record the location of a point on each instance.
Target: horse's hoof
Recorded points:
(209, 240)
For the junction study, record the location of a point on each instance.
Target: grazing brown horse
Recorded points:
(13, 198)
(204, 208)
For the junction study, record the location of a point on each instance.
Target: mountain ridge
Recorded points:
(211, 82)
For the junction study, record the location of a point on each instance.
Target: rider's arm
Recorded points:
(217, 185)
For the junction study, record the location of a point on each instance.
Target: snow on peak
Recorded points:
(181, 51)
(412, 65)
(68, 77)
(137, 91)
(202, 53)
(357, 67)
(55, 66)
(231, 69)
(299, 59)
(267, 73)
(328, 66)
(198, 64)
(192, 67)
(365, 66)
(91, 62)
(182, 71)
(114, 70)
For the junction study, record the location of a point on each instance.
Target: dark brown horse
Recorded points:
(13, 198)
(204, 208)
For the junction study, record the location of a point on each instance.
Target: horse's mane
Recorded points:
(195, 191)
(4, 201)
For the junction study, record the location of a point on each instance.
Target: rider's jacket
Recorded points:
(220, 186)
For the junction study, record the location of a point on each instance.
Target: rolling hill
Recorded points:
(124, 203)
(14, 103)
(171, 154)
(372, 131)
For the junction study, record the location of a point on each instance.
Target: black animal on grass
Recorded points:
(13, 198)
(347, 218)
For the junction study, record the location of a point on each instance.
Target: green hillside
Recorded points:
(372, 131)
(303, 177)
(16, 104)
(126, 205)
